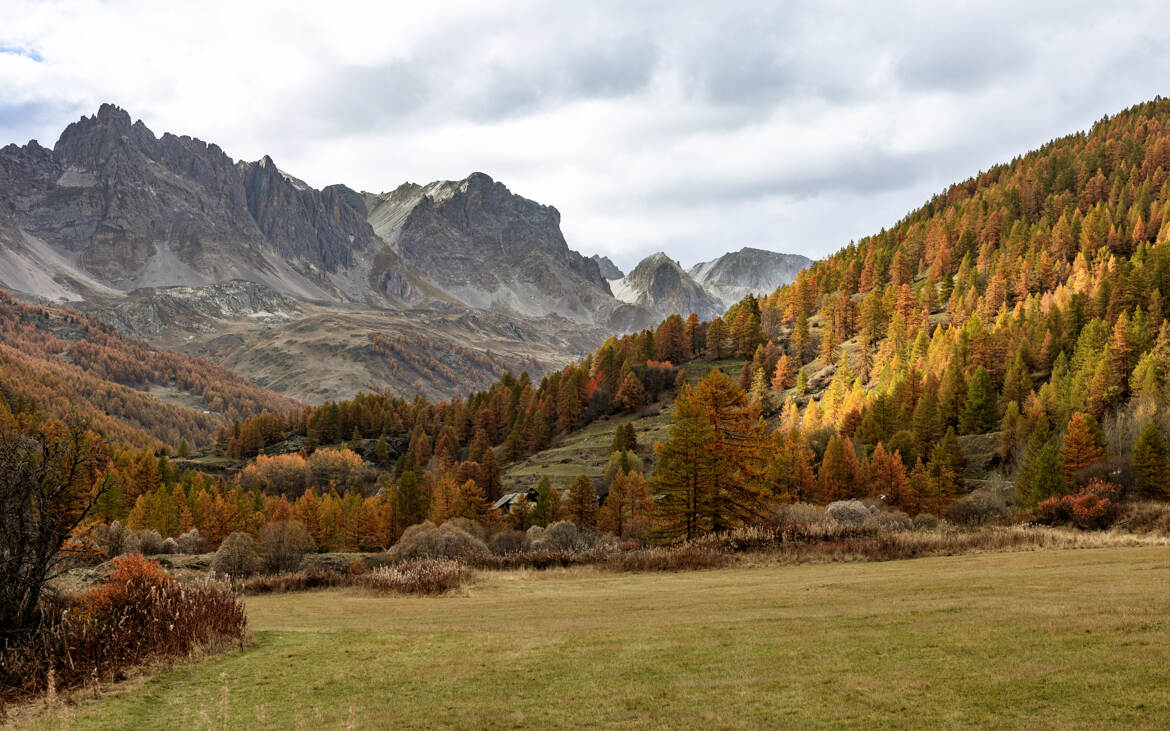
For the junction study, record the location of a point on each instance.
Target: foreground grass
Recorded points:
(1043, 639)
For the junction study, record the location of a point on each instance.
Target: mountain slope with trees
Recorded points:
(1006, 341)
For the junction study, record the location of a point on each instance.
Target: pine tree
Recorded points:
(1046, 477)
(716, 339)
(1082, 446)
(927, 423)
(493, 486)
(620, 441)
(980, 412)
(1017, 383)
(548, 503)
(1150, 466)
(790, 476)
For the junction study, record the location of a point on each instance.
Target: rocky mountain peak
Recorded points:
(660, 284)
(734, 275)
(608, 269)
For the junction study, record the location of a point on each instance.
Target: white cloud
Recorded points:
(684, 126)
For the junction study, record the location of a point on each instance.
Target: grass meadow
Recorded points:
(1048, 639)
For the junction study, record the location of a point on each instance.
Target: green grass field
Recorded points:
(586, 450)
(1050, 639)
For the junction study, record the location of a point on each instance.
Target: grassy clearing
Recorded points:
(586, 450)
(1042, 639)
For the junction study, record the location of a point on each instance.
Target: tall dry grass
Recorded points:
(139, 614)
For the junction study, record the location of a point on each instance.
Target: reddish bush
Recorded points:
(138, 614)
(1054, 510)
(1091, 511)
(1093, 508)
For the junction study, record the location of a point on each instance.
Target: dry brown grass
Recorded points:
(138, 615)
(424, 576)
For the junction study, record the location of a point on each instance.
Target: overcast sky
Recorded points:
(694, 128)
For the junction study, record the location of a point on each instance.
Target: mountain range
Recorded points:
(427, 289)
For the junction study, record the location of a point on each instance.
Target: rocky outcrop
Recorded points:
(609, 270)
(736, 274)
(125, 210)
(660, 285)
(491, 249)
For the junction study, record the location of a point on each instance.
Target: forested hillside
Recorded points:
(68, 365)
(1008, 338)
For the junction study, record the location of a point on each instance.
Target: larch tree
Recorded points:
(583, 502)
(784, 375)
(1082, 446)
(631, 394)
(837, 477)
(686, 477)
(740, 444)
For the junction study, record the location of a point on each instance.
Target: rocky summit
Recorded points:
(170, 240)
(737, 274)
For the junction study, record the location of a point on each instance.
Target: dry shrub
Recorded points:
(979, 508)
(306, 580)
(150, 543)
(887, 521)
(925, 522)
(236, 556)
(428, 541)
(138, 614)
(283, 545)
(562, 536)
(1093, 508)
(422, 576)
(852, 512)
(799, 515)
(192, 542)
(117, 539)
(543, 559)
(507, 541)
(1144, 516)
(739, 540)
(687, 557)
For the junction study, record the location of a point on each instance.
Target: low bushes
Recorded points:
(423, 576)
(687, 557)
(283, 544)
(1094, 507)
(237, 556)
(138, 614)
(311, 578)
(981, 507)
(447, 541)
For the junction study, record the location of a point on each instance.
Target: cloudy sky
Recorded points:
(694, 128)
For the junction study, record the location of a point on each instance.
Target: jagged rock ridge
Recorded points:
(659, 283)
(736, 274)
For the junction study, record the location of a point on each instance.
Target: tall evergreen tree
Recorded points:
(980, 412)
(1150, 466)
